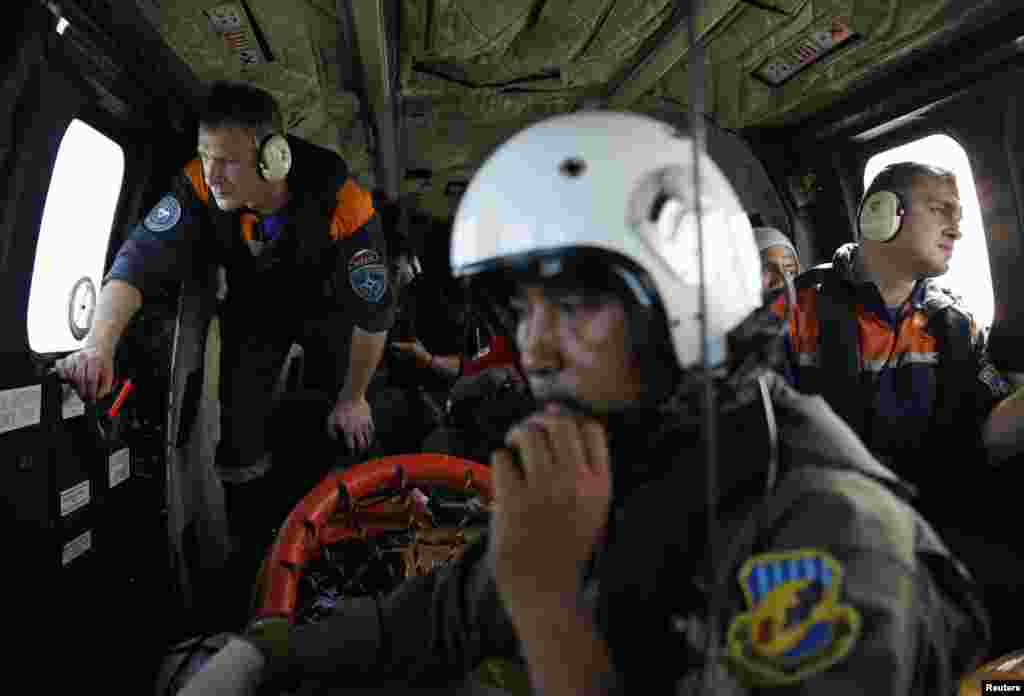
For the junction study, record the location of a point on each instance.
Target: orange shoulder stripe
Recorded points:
(803, 323)
(248, 222)
(354, 209)
(194, 172)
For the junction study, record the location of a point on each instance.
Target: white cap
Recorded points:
(768, 237)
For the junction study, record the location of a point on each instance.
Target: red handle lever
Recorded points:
(126, 389)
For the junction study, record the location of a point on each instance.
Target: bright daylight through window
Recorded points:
(73, 238)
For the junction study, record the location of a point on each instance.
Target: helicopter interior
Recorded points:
(114, 504)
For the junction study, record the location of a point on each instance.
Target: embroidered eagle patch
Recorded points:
(164, 215)
(795, 626)
(368, 275)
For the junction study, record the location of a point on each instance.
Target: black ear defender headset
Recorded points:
(880, 217)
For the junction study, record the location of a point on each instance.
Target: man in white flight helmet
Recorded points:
(603, 570)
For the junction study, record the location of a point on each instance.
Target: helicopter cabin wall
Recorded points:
(91, 547)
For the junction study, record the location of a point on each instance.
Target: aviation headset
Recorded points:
(274, 156)
(880, 217)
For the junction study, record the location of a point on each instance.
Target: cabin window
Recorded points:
(969, 273)
(73, 238)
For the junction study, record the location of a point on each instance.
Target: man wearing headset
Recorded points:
(900, 359)
(597, 575)
(306, 261)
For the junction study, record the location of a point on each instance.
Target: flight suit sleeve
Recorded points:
(835, 604)
(162, 247)
(362, 276)
(432, 630)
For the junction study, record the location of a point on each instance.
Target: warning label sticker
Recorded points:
(20, 408)
(230, 21)
(76, 547)
(72, 405)
(120, 466)
(74, 498)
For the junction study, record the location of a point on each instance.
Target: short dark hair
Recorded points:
(232, 104)
(900, 177)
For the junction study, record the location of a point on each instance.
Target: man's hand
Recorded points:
(90, 371)
(551, 511)
(354, 419)
(414, 350)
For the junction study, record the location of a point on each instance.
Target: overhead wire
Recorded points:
(695, 89)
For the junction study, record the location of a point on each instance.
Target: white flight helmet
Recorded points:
(619, 185)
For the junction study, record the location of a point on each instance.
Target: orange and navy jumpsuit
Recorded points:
(899, 356)
(322, 271)
(924, 404)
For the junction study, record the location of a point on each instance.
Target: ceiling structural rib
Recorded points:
(125, 32)
(934, 73)
(367, 25)
(665, 48)
(350, 71)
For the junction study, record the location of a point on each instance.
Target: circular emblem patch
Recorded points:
(368, 275)
(164, 215)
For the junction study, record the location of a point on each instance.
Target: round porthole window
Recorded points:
(81, 307)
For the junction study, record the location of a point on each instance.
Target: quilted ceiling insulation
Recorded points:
(472, 72)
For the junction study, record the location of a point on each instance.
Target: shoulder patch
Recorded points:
(955, 297)
(368, 275)
(938, 297)
(164, 215)
(794, 626)
(996, 383)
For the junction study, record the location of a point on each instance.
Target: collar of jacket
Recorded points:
(647, 443)
(665, 445)
(316, 172)
(928, 295)
(316, 176)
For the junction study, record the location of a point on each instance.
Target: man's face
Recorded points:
(576, 346)
(776, 263)
(931, 226)
(229, 165)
